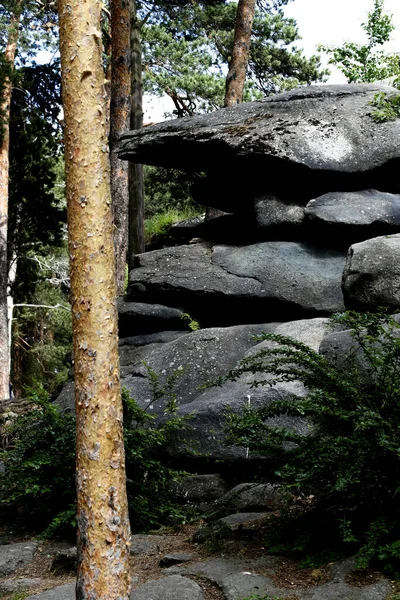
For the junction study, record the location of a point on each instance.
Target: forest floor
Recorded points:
(287, 574)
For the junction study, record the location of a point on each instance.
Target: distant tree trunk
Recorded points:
(102, 511)
(5, 103)
(136, 192)
(240, 52)
(119, 122)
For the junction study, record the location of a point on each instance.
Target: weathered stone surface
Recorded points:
(199, 356)
(321, 128)
(217, 569)
(137, 317)
(173, 587)
(271, 211)
(230, 284)
(247, 497)
(61, 592)
(199, 488)
(243, 523)
(176, 558)
(248, 584)
(371, 277)
(159, 337)
(13, 556)
(343, 218)
(145, 544)
(19, 585)
(202, 356)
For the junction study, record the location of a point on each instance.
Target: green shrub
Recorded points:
(158, 226)
(387, 107)
(38, 452)
(346, 471)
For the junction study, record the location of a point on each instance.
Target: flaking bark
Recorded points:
(119, 122)
(5, 103)
(103, 524)
(240, 52)
(136, 192)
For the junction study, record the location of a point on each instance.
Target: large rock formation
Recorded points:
(303, 175)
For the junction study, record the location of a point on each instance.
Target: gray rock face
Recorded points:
(176, 558)
(343, 218)
(367, 207)
(247, 497)
(228, 284)
(19, 585)
(135, 318)
(322, 128)
(61, 592)
(145, 544)
(13, 556)
(371, 277)
(173, 587)
(199, 488)
(202, 356)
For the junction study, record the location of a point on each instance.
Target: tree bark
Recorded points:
(136, 192)
(240, 52)
(5, 103)
(102, 511)
(119, 122)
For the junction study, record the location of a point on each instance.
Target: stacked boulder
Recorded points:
(302, 177)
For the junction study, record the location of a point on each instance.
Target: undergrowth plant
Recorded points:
(346, 470)
(37, 449)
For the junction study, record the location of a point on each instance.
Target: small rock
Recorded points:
(145, 544)
(174, 587)
(175, 558)
(243, 521)
(13, 556)
(18, 585)
(199, 488)
(61, 592)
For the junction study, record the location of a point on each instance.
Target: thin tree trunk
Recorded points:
(119, 122)
(102, 511)
(240, 52)
(5, 103)
(136, 192)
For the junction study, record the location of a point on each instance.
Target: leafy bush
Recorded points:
(346, 471)
(38, 452)
(157, 227)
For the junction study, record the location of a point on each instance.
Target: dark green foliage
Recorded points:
(367, 62)
(148, 474)
(38, 452)
(387, 107)
(187, 47)
(167, 189)
(346, 471)
(37, 487)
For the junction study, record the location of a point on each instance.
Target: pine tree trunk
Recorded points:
(119, 122)
(136, 192)
(240, 53)
(5, 103)
(102, 512)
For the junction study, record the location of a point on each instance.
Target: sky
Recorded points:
(329, 22)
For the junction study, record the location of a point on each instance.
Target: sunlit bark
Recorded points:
(103, 525)
(240, 52)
